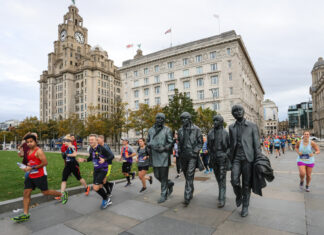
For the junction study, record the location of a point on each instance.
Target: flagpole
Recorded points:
(171, 38)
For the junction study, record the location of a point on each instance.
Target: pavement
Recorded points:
(283, 209)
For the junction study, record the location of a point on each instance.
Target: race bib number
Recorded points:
(305, 156)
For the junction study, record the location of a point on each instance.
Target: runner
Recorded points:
(37, 177)
(127, 154)
(266, 144)
(100, 158)
(204, 155)
(271, 145)
(289, 143)
(283, 144)
(276, 143)
(306, 159)
(143, 163)
(108, 185)
(71, 166)
(293, 142)
(177, 159)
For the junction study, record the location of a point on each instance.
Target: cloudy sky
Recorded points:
(284, 39)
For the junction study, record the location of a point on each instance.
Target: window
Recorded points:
(214, 80)
(170, 65)
(170, 75)
(198, 58)
(156, 68)
(136, 94)
(213, 67)
(146, 91)
(186, 72)
(146, 81)
(171, 87)
(216, 106)
(212, 55)
(157, 90)
(228, 50)
(200, 82)
(215, 92)
(136, 104)
(146, 101)
(187, 94)
(145, 70)
(231, 90)
(135, 73)
(200, 95)
(230, 76)
(185, 61)
(136, 83)
(157, 100)
(156, 78)
(229, 63)
(199, 70)
(186, 85)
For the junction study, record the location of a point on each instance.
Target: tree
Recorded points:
(71, 125)
(178, 104)
(143, 118)
(6, 135)
(29, 124)
(94, 122)
(205, 119)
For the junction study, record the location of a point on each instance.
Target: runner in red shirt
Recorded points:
(37, 177)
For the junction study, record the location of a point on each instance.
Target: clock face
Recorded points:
(63, 35)
(79, 37)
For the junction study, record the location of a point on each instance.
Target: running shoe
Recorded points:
(142, 190)
(57, 198)
(21, 218)
(206, 172)
(151, 180)
(87, 190)
(128, 183)
(105, 203)
(65, 197)
(301, 185)
(133, 175)
(307, 188)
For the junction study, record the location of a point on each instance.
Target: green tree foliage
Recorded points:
(178, 104)
(205, 119)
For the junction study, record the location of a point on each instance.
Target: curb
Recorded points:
(9, 205)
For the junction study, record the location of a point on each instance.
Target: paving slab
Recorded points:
(137, 209)
(161, 225)
(8, 227)
(57, 229)
(84, 204)
(102, 222)
(236, 228)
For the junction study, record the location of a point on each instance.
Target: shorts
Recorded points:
(98, 177)
(40, 182)
(305, 164)
(109, 170)
(143, 168)
(277, 147)
(71, 168)
(127, 167)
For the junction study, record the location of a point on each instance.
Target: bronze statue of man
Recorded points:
(245, 147)
(159, 142)
(190, 144)
(218, 147)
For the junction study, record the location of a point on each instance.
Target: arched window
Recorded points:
(77, 85)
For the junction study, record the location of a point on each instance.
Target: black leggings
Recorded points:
(205, 159)
(178, 164)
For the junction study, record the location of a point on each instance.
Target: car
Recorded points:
(314, 138)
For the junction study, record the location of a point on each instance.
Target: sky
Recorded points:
(284, 39)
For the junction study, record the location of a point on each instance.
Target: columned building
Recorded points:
(215, 72)
(78, 76)
(270, 109)
(317, 93)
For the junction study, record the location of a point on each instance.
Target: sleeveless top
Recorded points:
(306, 151)
(34, 161)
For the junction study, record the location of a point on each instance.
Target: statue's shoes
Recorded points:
(221, 204)
(186, 202)
(161, 200)
(245, 211)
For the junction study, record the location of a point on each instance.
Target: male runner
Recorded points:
(127, 154)
(99, 157)
(71, 166)
(108, 185)
(37, 177)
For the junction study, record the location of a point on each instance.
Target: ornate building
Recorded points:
(317, 93)
(270, 110)
(215, 72)
(78, 75)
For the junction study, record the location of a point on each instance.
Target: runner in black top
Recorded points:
(143, 163)
(71, 166)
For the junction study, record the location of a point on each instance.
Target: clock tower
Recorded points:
(78, 75)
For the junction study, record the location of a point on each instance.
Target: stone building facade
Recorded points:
(317, 93)
(215, 72)
(78, 75)
(270, 110)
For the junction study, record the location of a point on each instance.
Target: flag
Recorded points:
(168, 31)
(216, 16)
(73, 1)
(129, 45)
